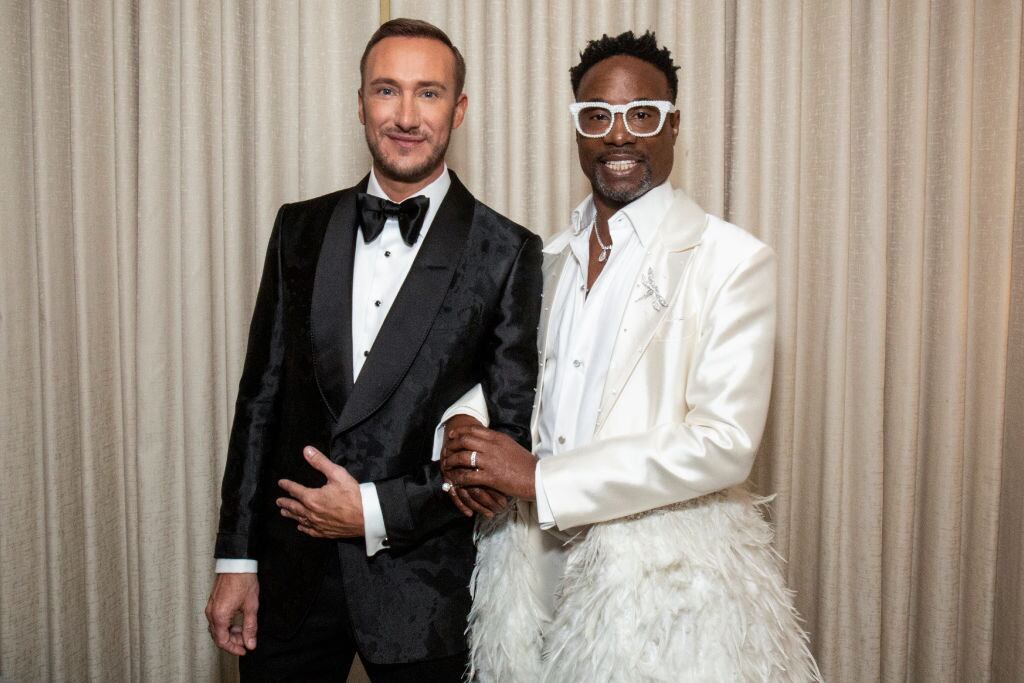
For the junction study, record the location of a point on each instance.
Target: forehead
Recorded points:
(410, 60)
(621, 79)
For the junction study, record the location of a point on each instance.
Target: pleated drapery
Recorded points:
(147, 146)
(875, 145)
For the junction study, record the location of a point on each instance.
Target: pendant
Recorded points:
(603, 256)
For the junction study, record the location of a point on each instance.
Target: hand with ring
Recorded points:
(469, 499)
(477, 456)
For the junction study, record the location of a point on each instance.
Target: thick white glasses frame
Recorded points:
(664, 108)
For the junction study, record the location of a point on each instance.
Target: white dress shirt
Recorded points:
(580, 326)
(379, 269)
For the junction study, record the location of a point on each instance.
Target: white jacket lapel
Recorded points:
(653, 293)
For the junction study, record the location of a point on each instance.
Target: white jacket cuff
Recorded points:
(544, 515)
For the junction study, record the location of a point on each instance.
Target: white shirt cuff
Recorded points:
(231, 566)
(374, 533)
(544, 516)
(473, 404)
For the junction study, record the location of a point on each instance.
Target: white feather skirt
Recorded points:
(689, 592)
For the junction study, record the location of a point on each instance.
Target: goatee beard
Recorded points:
(408, 175)
(625, 195)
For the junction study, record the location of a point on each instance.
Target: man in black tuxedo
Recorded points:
(380, 305)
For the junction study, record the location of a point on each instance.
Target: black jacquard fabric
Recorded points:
(467, 313)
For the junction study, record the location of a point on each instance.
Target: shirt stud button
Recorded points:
(387, 254)
(561, 439)
(377, 303)
(577, 363)
(365, 354)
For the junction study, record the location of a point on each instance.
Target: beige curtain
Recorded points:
(875, 145)
(146, 148)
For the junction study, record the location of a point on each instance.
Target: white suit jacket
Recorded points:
(681, 416)
(688, 386)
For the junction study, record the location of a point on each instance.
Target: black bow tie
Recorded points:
(374, 212)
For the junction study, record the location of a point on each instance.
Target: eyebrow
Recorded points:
(635, 99)
(419, 84)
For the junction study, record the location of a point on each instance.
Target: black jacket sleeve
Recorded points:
(256, 413)
(414, 505)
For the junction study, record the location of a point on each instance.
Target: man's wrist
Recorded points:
(532, 489)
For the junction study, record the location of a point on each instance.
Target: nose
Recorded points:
(619, 135)
(408, 116)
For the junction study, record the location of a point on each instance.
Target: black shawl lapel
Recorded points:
(406, 326)
(331, 310)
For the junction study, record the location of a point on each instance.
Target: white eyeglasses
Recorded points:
(643, 118)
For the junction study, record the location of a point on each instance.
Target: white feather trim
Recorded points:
(505, 620)
(689, 592)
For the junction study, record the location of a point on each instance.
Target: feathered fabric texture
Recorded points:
(689, 592)
(505, 620)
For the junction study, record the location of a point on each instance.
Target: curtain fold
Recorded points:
(875, 145)
(148, 146)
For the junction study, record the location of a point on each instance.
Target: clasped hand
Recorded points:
(500, 463)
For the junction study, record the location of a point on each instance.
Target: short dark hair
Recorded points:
(644, 47)
(416, 28)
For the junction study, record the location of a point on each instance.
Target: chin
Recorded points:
(410, 174)
(622, 194)
(622, 191)
(405, 169)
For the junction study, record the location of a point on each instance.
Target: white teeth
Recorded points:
(620, 165)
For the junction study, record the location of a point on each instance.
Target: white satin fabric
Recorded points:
(659, 567)
(687, 391)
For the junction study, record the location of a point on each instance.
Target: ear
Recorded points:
(673, 122)
(362, 117)
(460, 110)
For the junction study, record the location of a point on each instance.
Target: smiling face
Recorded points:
(408, 107)
(620, 166)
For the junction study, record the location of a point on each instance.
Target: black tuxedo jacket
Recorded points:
(467, 313)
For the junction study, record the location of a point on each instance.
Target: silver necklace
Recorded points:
(605, 248)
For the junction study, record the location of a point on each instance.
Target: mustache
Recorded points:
(413, 133)
(622, 156)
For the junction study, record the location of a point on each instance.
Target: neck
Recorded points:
(604, 209)
(398, 190)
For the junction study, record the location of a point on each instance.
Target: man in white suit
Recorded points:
(633, 553)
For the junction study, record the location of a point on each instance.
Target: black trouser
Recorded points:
(323, 649)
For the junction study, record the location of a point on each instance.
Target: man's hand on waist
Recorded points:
(335, 510)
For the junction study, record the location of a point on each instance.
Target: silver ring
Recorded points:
(472, 459)
(446, 487)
